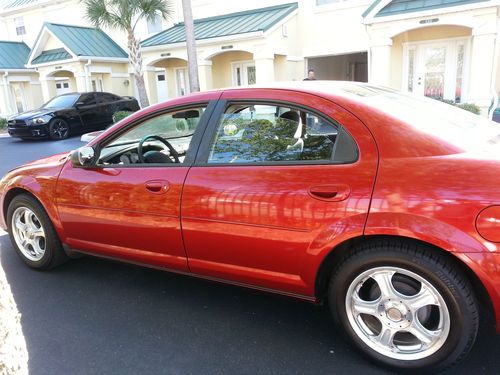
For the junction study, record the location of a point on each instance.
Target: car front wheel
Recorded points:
(404, 305)
(58, 129)
(32, 233)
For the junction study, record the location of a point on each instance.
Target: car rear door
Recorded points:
(280, 178)
(89, 111)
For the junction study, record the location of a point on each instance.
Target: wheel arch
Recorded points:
(10, 195)
(337, 254)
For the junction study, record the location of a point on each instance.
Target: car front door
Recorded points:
(275, 185)
(128, 205)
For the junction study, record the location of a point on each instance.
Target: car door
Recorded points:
(89, 111)
(110, 104)
(126, 208)
(280, 177)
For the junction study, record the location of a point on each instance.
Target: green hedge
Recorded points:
(466, 106)
(3, 123)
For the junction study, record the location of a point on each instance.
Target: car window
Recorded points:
(63, 101)
(176, 128)
(256, 133)
(87, 99)
(108, 98)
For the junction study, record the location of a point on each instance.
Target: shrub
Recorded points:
(3, 123)
(120, 115)
(470, 107)
(465, 106)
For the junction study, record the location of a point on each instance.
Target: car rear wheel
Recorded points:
(58, 129)
(404, 305)
(32, 233)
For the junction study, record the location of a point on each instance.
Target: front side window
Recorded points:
(20, 28)
(256, 133)
(163, 139)
(154, 25)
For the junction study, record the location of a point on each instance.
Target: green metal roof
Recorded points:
(86, 41)
(13, 55)
(18, 3)
(224, 25)
(52, 55)
(408, 6)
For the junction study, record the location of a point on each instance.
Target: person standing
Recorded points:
(310, 75)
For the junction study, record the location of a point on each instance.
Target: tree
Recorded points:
(124, 15)
(194, 84)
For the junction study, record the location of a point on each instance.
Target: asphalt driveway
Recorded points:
(92, 316)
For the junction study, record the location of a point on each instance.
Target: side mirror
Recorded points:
(79, 104)
(82, 157)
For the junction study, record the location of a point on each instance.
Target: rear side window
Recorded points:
(108, 98)
(259, 133)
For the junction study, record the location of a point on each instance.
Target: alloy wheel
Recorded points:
(397, 313)
(29, 233)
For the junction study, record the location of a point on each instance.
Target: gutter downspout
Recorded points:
(494, 76)
(368, 54)
(87, 75)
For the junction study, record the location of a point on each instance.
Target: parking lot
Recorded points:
(93, 316)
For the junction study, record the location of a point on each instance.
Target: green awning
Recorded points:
(229, 24)
(396, 7)
(52, 55)
(13, 55)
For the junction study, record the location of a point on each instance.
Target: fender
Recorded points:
(427, 229)
(39, 179)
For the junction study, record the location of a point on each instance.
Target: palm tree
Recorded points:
(194, 84)
(124, 15)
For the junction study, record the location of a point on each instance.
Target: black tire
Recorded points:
(435, 269)
(53, 251)
(58, 129)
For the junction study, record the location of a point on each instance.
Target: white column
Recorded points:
(380, 69)
(205, 74)
(150, 82)
(81, 82)
(264, 69)
(48, 88)
(481, 70)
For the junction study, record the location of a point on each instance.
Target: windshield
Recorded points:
(63, 101)
(463, 129)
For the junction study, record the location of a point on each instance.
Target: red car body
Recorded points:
(271, 227)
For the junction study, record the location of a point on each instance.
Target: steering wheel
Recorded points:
(173, 153)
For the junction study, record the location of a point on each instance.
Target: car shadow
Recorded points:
(96, 316)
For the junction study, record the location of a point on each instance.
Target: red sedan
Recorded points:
(383, 205)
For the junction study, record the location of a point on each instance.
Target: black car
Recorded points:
(70, 113)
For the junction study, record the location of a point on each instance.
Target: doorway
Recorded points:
(244, 73)
(161, 86)
(436, 69)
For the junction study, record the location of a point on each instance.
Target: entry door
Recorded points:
(244, 73)
(19, 97)
(436, 70)
(161, 86)
(265, 198)
(97, 83)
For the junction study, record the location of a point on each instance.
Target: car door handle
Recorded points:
(157, 186)
(330, 193)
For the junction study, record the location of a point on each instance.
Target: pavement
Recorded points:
(92, 316)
